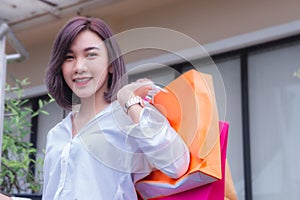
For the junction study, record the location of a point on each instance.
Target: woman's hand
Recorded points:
(139, 88)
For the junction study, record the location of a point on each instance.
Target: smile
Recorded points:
(80, 80)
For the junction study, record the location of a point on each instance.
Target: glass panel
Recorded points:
(230, 72)
(274, 96)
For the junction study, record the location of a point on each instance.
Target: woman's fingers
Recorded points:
(145, 88)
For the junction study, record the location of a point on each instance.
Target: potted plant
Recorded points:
(20, 172)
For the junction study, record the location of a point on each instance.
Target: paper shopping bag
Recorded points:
(211, 191)
(190, 107)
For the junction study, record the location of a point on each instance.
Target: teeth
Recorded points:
(81, 80)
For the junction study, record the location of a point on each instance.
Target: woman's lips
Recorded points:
(80, 82)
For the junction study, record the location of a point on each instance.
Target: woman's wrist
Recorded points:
(135, 100)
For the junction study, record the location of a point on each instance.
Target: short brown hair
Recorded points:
(55, 82)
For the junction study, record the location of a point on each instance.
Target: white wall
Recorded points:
(204, 21)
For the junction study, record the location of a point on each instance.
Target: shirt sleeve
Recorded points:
(160, 143)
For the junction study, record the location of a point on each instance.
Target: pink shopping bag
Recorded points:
(214, 190)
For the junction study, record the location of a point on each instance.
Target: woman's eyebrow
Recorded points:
(85, 49)
(91, 48)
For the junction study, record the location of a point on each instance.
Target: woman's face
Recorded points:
(85, 68)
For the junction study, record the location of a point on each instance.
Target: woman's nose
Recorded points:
(80, 66)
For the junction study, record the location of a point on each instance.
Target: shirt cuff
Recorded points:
(151, 123)
(159, 142)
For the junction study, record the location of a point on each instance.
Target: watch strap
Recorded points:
(133, 101)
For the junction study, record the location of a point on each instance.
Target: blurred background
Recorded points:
(254, 44)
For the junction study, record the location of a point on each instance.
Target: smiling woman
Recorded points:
(103, 142)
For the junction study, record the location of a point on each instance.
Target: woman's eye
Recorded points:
(69, 57)
(90, 55)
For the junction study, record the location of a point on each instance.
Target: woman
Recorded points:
(115, 138)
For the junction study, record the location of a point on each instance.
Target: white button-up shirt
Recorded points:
(109, 154)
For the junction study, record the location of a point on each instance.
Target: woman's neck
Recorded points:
(89, 108)
(92, 105)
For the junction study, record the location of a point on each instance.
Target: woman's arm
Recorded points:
(162, 146)
(160, 143)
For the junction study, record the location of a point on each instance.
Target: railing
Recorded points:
(22, 54)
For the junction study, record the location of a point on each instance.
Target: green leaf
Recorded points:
(41, 103)
(16, 150)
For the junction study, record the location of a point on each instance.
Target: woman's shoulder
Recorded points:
(64, 125)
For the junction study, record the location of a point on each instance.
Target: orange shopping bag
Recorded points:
(190, 107)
